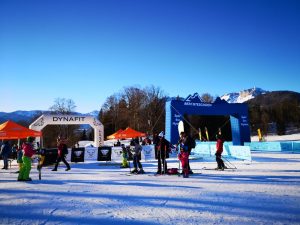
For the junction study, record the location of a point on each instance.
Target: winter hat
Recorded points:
(30, 139)
(161, 134)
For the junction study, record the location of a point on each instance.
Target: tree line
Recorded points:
(143, 109)
(275, 112)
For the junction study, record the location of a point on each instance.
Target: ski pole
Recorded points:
(231, 165)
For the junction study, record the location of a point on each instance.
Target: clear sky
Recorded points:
(87, 50)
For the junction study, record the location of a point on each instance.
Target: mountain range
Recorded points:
(235, 97)
(243, 96)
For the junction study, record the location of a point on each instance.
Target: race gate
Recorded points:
(194, 105)
(45, 120)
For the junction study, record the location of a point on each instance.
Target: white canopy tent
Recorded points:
(45, 120)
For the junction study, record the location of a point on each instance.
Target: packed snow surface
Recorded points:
(264, 191)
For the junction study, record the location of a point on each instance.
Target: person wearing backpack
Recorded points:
(189, 144)
(62, 151)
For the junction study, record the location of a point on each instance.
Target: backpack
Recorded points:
(65, 150)
(172, 171)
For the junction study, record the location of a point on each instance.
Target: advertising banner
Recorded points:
(116, 154)
(148, 152)
(77, 155)
(104, 153)
(90, 154)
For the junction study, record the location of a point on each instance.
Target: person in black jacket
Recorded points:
(5, 152)
(162, 151)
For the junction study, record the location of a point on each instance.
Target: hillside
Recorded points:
(275, 112)
(275, 97)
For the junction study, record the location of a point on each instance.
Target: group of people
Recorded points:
(162, 148)
(24, 155)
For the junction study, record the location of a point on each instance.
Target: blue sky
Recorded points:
(90, 49)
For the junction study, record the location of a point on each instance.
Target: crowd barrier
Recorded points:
(202, 150)
(208, 150)
(103, 153)
(275, 146)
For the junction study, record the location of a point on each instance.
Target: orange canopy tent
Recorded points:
(113, 136)
(129, 133)
(12, 130)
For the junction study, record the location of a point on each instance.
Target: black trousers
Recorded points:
(161, 162)
(220, 161)
(136, 162)
(62, 158)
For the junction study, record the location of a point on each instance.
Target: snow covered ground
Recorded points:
(265, 191)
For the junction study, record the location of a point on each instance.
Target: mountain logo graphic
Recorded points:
(195, 98)
(104, 151)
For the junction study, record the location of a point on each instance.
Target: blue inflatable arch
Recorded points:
(193, 105)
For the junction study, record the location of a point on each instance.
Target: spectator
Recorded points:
(62, 151)
(5, 153)
(162, 150)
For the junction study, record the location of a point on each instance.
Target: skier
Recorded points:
(136, 158)
(125, 163)
(219, 147)
(62, 149)
(183, 156)
(28, 152)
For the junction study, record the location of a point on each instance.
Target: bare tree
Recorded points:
(135, 98)
(208, 98)
(141, 109)
(61, 106)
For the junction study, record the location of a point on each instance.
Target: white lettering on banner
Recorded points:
(68, 119)
(197, 104)
(175, 123)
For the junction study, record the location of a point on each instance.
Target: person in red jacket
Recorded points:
(183, 156)
(62, 151)
(219, 147)
(28, 152)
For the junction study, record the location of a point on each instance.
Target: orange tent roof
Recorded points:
(113, 136)
(129, 133)
(12, 130)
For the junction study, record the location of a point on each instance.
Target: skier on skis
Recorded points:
(136, 158)
(125, 163)
(219, 147)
